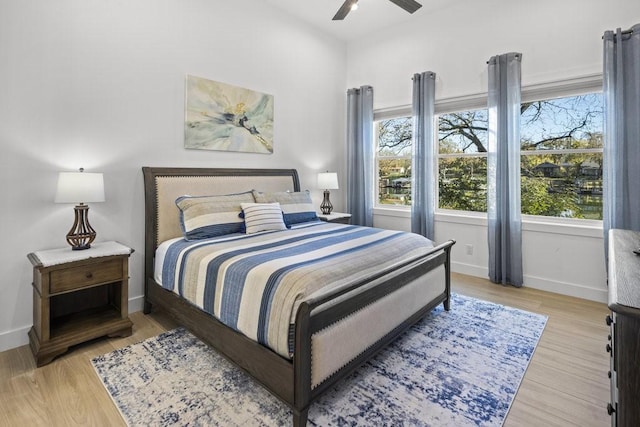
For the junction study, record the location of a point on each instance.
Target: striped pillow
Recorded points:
(210, 216)
(297, 207)
(263, 217)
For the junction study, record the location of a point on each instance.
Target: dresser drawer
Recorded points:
(86, 275)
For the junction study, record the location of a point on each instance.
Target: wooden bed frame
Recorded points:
(289, 380)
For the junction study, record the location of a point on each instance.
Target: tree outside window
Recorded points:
(462, 160)
(561, 162)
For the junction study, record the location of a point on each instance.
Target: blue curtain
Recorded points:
(360, 155)
(621, 163)
(503, 170)
(423, 186)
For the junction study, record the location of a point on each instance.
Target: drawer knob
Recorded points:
(609, 374)
(89, 275)
(608, 348)
(610, 409)
(609, 320)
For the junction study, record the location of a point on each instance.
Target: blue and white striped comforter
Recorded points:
(254, 283)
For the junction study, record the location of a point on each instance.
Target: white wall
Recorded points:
(558, 40)
(100, 84)
(566, 259)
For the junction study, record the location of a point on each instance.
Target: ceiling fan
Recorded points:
(349, 5)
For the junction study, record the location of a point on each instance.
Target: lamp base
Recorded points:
(326, 207)
(81, 234)
(79, 248)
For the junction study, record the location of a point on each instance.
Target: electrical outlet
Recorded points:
(469, 249)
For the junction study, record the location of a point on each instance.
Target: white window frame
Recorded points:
(479, 103)
(533, 92)
(377, 159)
(575, 87)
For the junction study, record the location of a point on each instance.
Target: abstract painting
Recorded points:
(219, 116)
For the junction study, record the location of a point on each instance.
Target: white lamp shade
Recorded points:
(328, 180)
(79, 187)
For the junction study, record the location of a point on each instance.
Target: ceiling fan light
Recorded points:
(354, 6)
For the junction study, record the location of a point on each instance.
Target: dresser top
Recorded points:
(624, 272)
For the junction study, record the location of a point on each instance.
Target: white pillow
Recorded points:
(263, 217)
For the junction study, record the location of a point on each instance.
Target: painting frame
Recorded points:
(223, 117)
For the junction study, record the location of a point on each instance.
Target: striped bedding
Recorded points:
(254, 283)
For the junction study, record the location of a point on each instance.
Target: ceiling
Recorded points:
(370, 16)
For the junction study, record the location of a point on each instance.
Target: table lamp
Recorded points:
(80, 187)
(328, 181)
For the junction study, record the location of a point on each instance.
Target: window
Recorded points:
(462, 160)
(393, 160)
(561, 157)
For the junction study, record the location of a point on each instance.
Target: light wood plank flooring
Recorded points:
(566, 383)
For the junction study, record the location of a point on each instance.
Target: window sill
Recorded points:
(567, 226)
(395, 211)
(530, 223)
(462, 217)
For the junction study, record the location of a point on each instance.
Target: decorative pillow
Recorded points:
(297, 207)
(210, 216)
(263, 217)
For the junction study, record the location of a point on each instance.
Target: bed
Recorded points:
(313, 345)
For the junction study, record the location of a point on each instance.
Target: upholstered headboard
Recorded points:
(164, 185)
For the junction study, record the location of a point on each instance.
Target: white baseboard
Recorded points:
(469, 269)
(564, 288)
(14, 338)
(136, 304)
(18, 337)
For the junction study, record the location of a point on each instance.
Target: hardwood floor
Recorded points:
(566, 383)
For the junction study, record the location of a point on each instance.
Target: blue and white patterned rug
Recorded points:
(456, 368)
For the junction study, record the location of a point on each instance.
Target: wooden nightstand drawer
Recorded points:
(85, 275)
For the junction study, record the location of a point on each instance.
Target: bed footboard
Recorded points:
(314, 372)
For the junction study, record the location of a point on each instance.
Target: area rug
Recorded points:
(456, 368)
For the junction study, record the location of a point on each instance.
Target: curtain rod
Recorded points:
(624, 33)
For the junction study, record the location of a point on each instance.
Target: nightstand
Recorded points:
(336, 217)
(78, 296)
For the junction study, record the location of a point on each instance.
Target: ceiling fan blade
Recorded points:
(408, 5)
(344, 10)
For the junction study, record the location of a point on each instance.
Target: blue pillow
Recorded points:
(204, 217)
(297, 207)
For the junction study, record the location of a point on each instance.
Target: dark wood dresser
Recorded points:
(624, 321)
